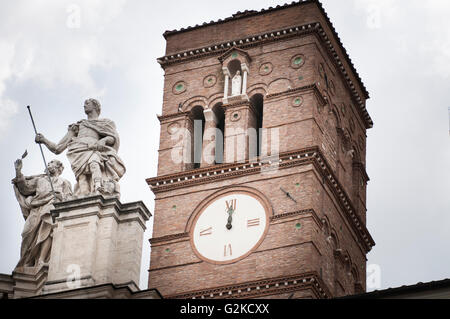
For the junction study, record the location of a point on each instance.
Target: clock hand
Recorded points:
(230, 218)
(288, 195)
(231, 206)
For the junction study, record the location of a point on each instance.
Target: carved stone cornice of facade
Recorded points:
(168, 117)
(224, 171)
(293, 91)
(239, 106)
(224, 56)
(102, 201)
(344, 202)
(250, 13)
(283, 34)
(104, 291)
(234, 105)
(121, 209)
(304, 212)
(241, 44)
(267, 287)
(285, 160)
(165, 239)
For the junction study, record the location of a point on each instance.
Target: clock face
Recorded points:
(229, 228)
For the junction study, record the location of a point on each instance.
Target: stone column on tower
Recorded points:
(209, 138)
(246, 71)
(227, 80)
(240, 119)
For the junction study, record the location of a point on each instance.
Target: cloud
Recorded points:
(436, 42)
(39, 45)
(422, 23)
(7, 110)
(377, 11)
(7, 107)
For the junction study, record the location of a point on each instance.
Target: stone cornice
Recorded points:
(249, 13)
(236, 16)
(266, 287)
(344, 202)
(168, 238)
(224, 171)
(109, 291)
(163, 118)
(252, 41)
(304, 213)
(237, 104)
(102, 202)
(286, 160)
(311, 87)
(224, 56)
(293, 91)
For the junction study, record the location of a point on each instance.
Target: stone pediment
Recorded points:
(235, 53)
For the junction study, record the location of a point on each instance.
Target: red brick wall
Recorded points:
(285, 250)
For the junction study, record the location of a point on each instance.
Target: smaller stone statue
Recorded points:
(236, 84)
(35, 197)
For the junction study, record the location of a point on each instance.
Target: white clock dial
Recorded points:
(229, 228)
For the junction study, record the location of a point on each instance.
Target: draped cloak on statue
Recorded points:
(81, 153)
(36, 199)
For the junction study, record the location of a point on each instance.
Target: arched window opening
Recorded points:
(220, 132)
(257, 101)
(196, 128)
(234, 66)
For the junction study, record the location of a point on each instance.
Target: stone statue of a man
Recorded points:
(92, 147)
(236, 84)
(35, 197)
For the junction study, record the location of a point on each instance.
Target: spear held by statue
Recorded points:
(42, 153)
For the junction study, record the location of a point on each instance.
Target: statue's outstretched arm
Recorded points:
(26, 186)
(53, 147)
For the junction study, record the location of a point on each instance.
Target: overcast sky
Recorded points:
(401, 49)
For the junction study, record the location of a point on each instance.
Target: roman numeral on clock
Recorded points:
(253, 222)
(227, 251)
(231, 204)
(206, 232)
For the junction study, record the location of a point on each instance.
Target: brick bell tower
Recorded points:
(278, 214)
